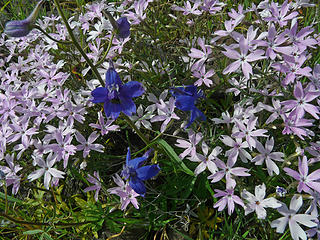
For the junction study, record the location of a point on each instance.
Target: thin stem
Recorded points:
(45, 33)
(107, 51)
(132, 125)
(6, 197)
(75, 42)
(12, 219)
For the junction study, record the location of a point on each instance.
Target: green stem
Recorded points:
(75, 42)
(42, 224)
(140, 134)
(107, 51)
(6, 196)
(45, 33)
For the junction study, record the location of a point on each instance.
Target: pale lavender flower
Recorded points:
(257, 202)
(229, 26)
(248, 131)
(274, 42)
(306, 182)
(142, 118)
(280, 16)
(212, 6)
(139, 14)
(125, 192)
(11, 173)
(47, 170)
(87, 146)
(237, 149)
(297, 126)
(190, 146)
(201, 55)
(23, 131)
(315, 78)
(314, 150)
(267, 156)
(243, 58)
(229, 172)
(290, 216)
(228, 198)
(299, 38)
(203, 76)
(276, 110)
(206, 161)
(105, 127)
(302, 105)
(166, 113)
(95, 180)
(188, 9)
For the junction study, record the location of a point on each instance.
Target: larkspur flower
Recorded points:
(116, 96)
(123, 27)
(186, 98)
(136, 173)
(21, 28)
(257, 202)
(95, 180)
(306, 182)
(290, 216)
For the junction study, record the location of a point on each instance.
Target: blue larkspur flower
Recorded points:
(116, 96)
(186, 98)
(21, 28)
(123, 27)
(136, 173)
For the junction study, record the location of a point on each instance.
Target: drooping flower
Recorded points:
(95, 180)
(186, 98)
(136, 173)
(21, 28)
(116, 96)
(123, 27)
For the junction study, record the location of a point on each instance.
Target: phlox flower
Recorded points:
(306, 182)
(47, 170)
(206, 161)
(267, 156)
(203, 76)
(201, 55)
(243, 58)
(249, 132)
(11, 173)
(228, 198)
(186, 98)
(87, 145)
(229, 172)
(136, 173)
(142, 118)
(302, 102)
(165, 113)
(125, 192)
(290, 216)
(280, 15)
(104, 127)
(237, 148)
(191, 145)
(116, 96)
(188, 9)
(296, 126)
(95, 180)
(257, 202)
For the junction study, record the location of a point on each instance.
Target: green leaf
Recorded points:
(10, 199)
(174, 157)
(32, 232)
(47, 236)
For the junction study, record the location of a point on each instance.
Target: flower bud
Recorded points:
(123, 27)
(21, 28)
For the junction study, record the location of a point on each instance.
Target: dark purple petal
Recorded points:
(132, 89)
(99, 95)
(137, 185)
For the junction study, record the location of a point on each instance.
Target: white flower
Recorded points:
(257, 202)
(47, 170)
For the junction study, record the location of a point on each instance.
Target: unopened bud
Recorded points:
(21, 28)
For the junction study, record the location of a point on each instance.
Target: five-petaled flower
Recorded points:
(116, 96)
(136, 173)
